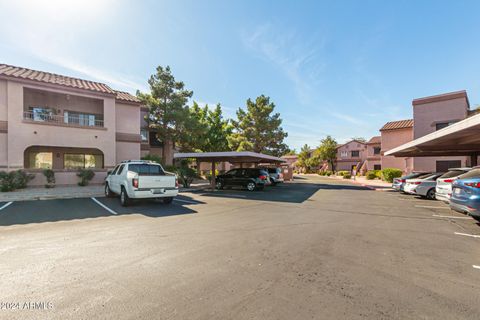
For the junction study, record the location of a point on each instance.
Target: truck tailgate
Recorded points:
(156, 182)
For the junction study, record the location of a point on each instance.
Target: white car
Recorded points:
(138, 179)
(443, 190)
(423, 186)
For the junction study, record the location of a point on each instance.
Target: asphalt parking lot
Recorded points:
(315, 248)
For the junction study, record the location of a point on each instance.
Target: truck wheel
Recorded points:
(167, 200)
(108, 192)
(124, 199)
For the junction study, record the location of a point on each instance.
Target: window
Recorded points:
(355, 154)
(377, 167)
(80, 161)
(40, 160)
(444, 165)
(144, 134)
(442, 125)
(376, 150)
(146, 169)
(344, 154)
(115, 170)
(119, 172)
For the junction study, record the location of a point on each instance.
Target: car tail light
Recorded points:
(448, 180)
(402, 180)
(263, 177)
(417, 182)
(473, 184)
(177, 184)
(280, 175)
(135, 183)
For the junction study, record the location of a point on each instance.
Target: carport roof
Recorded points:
(459, 139)
(230, 156)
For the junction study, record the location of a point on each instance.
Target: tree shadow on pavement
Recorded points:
(288, 192)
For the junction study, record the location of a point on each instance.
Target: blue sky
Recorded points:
(332, 67)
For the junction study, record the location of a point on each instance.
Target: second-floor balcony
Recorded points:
(61, 109)
(79, 120)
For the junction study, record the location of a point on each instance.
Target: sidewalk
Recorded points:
(72, 192)
(372, 184)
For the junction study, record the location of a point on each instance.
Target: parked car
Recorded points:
(424, 185)
(275, 174)
(138, 179)
(465, 196)
(250, 178)
(399, 183)
(443, 189)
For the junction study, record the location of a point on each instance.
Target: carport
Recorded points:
(243, 157)
(459, 139)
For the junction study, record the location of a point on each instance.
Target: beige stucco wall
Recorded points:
(127, 117)
(3, 151)
(66, 178)
(3, 100)
(346, 162)
(426, 116)
(392, 139)
(23, 134)
(128, 151)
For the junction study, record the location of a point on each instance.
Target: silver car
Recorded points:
(423, 186)
(275, 175)
(399, 183)
(443, 190)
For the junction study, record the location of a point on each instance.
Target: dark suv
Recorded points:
(250, 178)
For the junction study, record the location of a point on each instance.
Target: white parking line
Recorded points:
(476, 267)
(6, 205)
(433, 207)
(103, 206)
(186, 201)
(230, 195)
(467, 235)
(450, 217)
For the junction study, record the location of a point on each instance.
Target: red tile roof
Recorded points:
(125, 96)
(394, 125)
(52, 78)
(375, 140)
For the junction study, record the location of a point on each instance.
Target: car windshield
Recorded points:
(425, 176)
(146, 169)
(451, 174)
(475, 173)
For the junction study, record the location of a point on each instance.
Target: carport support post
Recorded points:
(213, 176)
(473, 160)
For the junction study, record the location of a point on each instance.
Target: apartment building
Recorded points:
(351, 154)
(374, 159)
(429, 114)
(394, 134)
(63, 123)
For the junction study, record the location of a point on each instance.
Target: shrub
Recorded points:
(170, 168)
(153, 157)
(371, 175)
(21, 179)
(321, 173)
(186, 176)
(347, 176)
(328, 173)
(85, 176)
(50, 175)
(342, 173)
(7, 181)
(389, 174)
(378, 173)
(208, 175)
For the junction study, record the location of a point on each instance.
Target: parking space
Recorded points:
(314, 246)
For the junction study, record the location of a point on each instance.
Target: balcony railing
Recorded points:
(68, 120)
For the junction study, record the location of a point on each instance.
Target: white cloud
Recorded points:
(348, 118)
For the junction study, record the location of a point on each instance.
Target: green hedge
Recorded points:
(370, 175)
(388, 174)
(347, 176)
(342, 173)
(12, 180)
(85, 176)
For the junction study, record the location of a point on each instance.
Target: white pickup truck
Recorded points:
(139, 179)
